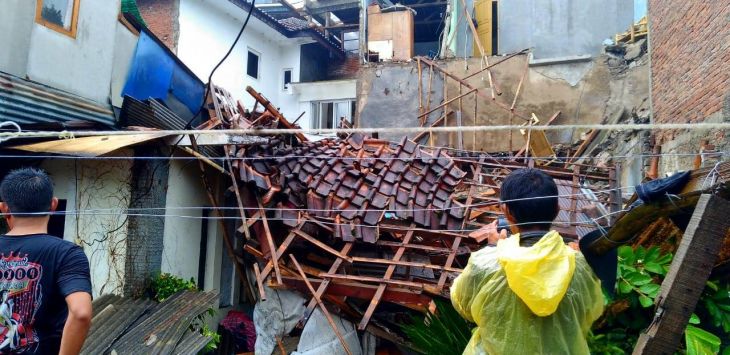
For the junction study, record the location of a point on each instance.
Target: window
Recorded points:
(252, 64)
(287, 78)
(58, 15)
(327, 114)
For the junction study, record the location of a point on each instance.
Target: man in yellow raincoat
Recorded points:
(531, 293)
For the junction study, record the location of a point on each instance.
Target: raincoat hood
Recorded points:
(539, 275)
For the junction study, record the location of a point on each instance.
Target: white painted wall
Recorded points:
(207, 30)
(16, 24)
(307, 93)
(101, 191)
(125, 42)
(181, 243)
(81, 65)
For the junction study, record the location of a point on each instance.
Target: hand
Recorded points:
(488, 232)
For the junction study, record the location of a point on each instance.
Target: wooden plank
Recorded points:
(325, 283)
(582, 147)
(420, 88)
(414, 285)
(358, 259)
(381, 288)
(475, 34)
(438, 122)
(269, 240)
(321, 305)
(259, 283)
(683, 285)
(279, 253)
(270, 108)
(234, 179)
(321, 245)
(478, 92)
(243, 277)
(443, 105)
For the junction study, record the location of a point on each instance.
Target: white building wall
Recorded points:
(181, 243)
(97, 194)
(307, 93)
(81, 65)
(16, 23)
(207, 30)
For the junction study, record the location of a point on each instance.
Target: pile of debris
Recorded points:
(356, 221)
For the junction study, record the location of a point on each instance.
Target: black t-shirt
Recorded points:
(37, 272)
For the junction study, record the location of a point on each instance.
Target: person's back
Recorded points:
(44, 278)
(507, 324)
(531, 294)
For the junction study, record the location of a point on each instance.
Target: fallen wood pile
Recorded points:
(371, 221)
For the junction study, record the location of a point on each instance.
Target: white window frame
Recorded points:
(316, 112)
(258, 64)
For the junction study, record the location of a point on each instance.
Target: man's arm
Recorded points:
(77, 323)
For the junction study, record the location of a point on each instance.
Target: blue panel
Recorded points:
(187, 88)
(151, 72)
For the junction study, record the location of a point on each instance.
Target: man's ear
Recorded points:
(54, 204)
(4, 208)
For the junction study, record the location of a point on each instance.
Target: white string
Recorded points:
(482, 204)
(346, 158)
(388, 130)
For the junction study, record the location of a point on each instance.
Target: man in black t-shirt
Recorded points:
(45, 286)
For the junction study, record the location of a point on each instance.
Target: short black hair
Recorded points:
(27, 192)
(531, 197)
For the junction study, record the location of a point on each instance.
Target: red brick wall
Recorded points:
(344, 69)
(690, 59)
(161, 17)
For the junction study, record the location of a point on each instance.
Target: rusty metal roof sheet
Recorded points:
(128, 326)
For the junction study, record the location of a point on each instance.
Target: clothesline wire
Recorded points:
(353, 158)
(333, 131)
(481, 204)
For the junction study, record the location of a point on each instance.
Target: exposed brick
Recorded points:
(161, 17)
(145, 235)
(690, 62)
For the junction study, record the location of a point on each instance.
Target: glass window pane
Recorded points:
(252, 65)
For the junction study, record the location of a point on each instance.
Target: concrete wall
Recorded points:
(101, 192)
(207, 30)
(583, 93)
(86, 61)
(35, 51)
(16, 24)
(558, 28)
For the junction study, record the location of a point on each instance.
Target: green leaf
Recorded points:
(726, 351)
(637, 279)
(654, 267)
(626, 254)
(651, 255)
(649, 289)
(712, 285)
(646, 301)
(694, 319)
(640, 254)
(664, 259)
(700, 342)
(624, 287)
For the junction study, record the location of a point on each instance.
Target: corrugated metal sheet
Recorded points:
(26, 103)
(127, 326)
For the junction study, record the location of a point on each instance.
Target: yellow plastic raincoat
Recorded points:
(528, 300)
